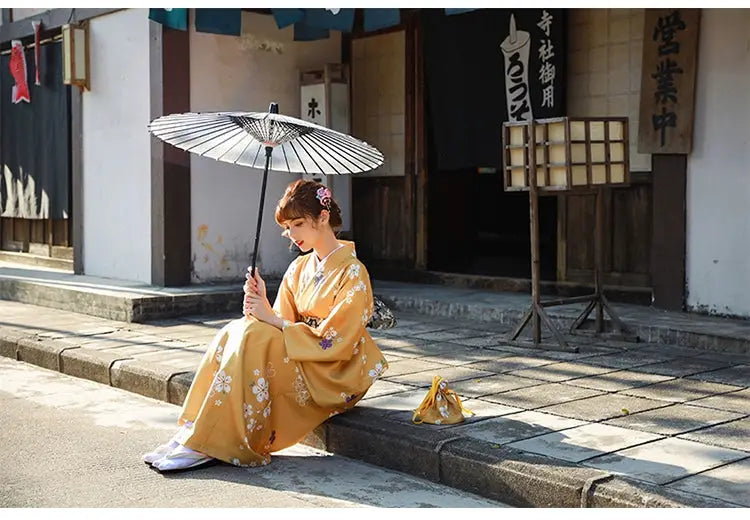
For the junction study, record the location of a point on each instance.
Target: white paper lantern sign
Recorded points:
(570, 153)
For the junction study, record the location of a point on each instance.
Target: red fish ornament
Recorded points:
(20, 91)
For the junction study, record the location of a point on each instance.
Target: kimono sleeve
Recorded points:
(336, 336)
(284, 306)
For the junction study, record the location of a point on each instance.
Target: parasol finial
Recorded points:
(513, 36)
(273, 108)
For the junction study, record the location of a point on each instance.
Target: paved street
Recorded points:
(589, 351)
(68, 442)
(673, 420)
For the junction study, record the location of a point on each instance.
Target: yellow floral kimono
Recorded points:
(259, 389)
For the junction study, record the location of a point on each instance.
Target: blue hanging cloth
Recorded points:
(286, 17)
(219, 21)
(376, 19)
(305, 33)
(458, 10)
(172, 18)
(334, 19)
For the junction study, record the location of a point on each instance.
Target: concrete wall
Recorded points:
(604, 69)
(718, 183)
(231, 73)
(116, 149)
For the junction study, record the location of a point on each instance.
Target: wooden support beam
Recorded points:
(420, 151)
(52, 20)
(170, 171)
(76, 178)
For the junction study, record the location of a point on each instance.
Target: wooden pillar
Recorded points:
(536, 296)
(409, 228)
(170, 166)
(76, 178)
(669, 230)
(599, 258)
(417, 146)
(2, 225)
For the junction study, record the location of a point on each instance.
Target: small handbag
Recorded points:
(441, 405)
(382, 317)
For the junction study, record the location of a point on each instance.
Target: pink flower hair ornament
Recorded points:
(324, 196)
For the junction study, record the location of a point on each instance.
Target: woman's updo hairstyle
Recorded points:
(301, 200)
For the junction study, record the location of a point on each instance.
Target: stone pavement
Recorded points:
(129, 301)
(616, 424)
(505, 308)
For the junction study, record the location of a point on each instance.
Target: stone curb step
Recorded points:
(30, 259)
(510, 476)
(130, 306)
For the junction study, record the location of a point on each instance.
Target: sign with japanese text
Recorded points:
(670, 48)
(517, 50)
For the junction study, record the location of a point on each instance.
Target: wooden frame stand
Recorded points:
(596, 301)
(536, 314)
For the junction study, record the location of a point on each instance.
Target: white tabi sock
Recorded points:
(181, 457)
(165, 449)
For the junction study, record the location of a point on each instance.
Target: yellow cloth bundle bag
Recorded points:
(441, 405)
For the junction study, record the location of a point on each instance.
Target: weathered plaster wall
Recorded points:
(229, 73)
(718, 183)
(117, 150)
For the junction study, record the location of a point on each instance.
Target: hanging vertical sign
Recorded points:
(546, 65)
(516, 49)
(314, 109)
(670, 48)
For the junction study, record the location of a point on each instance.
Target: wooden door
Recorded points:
(628, 225)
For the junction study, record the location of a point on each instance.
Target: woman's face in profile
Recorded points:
(304, 232)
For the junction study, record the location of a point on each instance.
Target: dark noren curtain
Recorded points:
(35, 140)
(465, 79)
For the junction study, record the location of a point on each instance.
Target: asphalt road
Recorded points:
(68, 442)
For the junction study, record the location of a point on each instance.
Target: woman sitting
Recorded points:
(269, 378)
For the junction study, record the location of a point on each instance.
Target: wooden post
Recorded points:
(27, 235)
(534, 229)
(536, 312)
(74, 229)
(598, 257)
(50, 236)
(419, 152)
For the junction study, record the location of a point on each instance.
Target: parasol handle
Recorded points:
(269, 150)
(273, 108)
